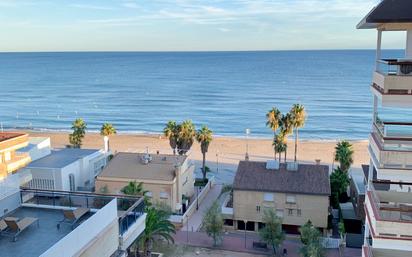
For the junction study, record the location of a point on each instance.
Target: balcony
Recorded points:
(390, 145)
(392, 81)
(112, 223)
(369, 251)
(389, 214)
(19, 160)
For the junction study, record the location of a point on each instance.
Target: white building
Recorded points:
(388, 223)
(108, 228)
(37, 148)
(67, 169)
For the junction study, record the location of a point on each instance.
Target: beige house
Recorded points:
(166, 178)
(297, 193)
(10, 160)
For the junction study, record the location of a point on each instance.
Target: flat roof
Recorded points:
(358, 179)
(388, 11)
(308, 179)
(10, 135)
(60, 158)
(35, 240)
(131, 166)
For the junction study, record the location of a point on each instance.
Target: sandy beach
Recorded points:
(224, 152)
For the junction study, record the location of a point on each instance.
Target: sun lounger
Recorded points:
(72, 216)
(16, 226)
(3, 226)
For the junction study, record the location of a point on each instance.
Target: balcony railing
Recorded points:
(395, 67)
(394, 136)
(129, 208)
(391, 206)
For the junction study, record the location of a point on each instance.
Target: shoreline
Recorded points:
(158, 134)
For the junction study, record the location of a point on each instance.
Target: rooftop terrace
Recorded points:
(35, 240)
(9, 135)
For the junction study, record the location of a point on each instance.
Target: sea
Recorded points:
(230, 92)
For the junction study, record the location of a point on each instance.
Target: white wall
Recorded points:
(86, 233)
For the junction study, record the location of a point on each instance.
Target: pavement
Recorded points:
(195, 221)
(239, 242)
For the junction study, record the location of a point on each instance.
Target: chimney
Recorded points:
(317, 161)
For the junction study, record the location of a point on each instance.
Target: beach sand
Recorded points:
(224, 153)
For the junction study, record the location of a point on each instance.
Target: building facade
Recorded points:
(10, 160)
(167, 179)
(388, 211)
(67, 169)
(296, 193)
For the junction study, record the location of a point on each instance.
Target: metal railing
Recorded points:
(131, 215)
(394, 67)
(394, 135)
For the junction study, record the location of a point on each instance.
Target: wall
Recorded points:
(85, 238)
(115, 187)
(312, 207)
(9, 203)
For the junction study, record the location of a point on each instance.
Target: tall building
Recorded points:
(388, 208)
(10, 160)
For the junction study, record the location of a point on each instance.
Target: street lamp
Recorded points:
(197, 198)
(247, 144)
(245, 221)
(217, 161)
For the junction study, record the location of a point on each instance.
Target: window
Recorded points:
(228, 222)
(268, 197)
(291, 199)
(258, 208)
(148, 194)
(279, 213)
(164, 195)
(290, 212)
(299, 212)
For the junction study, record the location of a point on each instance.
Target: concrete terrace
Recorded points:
(35, 240)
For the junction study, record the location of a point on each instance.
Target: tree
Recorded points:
(339, 182)
(213, 223)
(133, 188)
(204, 137)
(298, 121)
(171, 132)
(157, 226)
(272, 232)
(310, 237)
(273, 118)
(279, 145)
(286, 129)
(79, 131)
(107, 130)
(344, 155)
(186, 135)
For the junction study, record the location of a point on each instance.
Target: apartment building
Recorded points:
(10, 160)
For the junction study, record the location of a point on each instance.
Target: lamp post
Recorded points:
(187, 227)
(247, 144)
(217, 161)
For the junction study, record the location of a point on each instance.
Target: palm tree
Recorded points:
(273, 118)
(133, 188)
(107, 130)
(157, 226)
(186, 136)
(204, 137)
(79, 131)
(279, 144)
(286, 130)
(344, 155)
(298, 114)
(171, 131)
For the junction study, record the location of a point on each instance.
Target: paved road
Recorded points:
(195, 221)
(236, 242)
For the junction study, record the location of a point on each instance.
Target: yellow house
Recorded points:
(166, 178)
(10, 161)
(295, 192)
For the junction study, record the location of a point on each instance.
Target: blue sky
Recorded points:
(184, 25)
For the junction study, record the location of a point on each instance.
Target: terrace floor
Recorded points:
(35, 240)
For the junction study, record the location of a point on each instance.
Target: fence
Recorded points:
(181, 219)
(330, 243)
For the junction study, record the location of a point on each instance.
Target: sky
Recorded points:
(185, 25)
